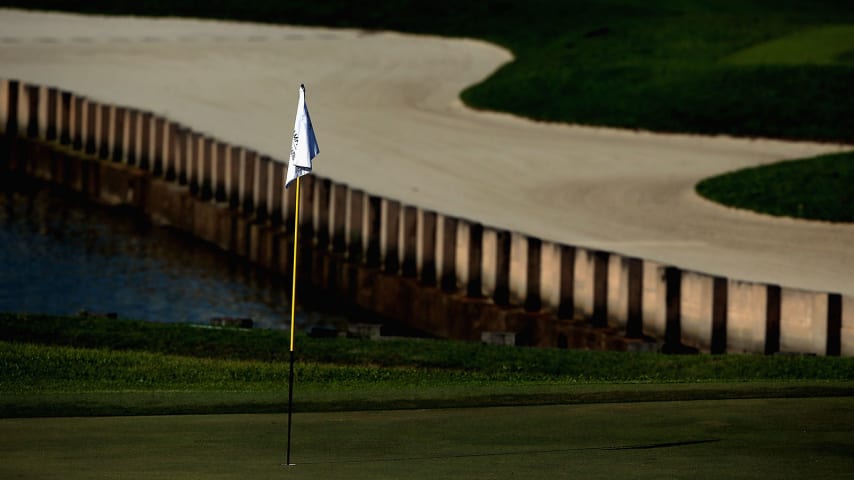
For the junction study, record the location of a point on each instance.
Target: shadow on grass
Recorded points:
(650, 446)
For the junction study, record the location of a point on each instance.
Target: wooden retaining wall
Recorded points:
(448, 276)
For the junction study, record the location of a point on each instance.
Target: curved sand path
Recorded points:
(388, 120)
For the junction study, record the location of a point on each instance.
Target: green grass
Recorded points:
(743, 439)
(403, 408)
(742, 67)
(105, 373)
(456, 358)
(825, 45)
(820, 188)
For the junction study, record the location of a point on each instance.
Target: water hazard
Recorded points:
(60, 254)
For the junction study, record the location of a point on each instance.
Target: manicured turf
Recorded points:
(123, 371)
(446, 359)
(786, 417)
(733, 439)
(743, 67)
(820, 188)
(824, 45)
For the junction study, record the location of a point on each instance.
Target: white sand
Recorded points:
(388, 120)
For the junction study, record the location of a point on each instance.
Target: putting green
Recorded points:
(768, 438)
(825, 45)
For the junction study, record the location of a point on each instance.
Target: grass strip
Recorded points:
(472, 360)
(61, 366)
(308, 399)
(819, 188)
(41, 381)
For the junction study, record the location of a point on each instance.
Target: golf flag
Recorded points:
(304, 145)
(303, 150)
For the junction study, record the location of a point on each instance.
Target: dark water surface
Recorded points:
(60, 254)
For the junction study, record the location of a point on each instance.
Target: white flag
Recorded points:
(304, 146)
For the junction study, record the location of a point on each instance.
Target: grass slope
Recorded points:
(125, 371)
(699, 66)
(820, 188)
(475, 360)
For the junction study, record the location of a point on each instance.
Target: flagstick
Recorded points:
(293, 310)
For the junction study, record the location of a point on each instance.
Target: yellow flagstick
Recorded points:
(293, 310)
(294, 282)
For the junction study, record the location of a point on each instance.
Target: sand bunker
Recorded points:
(386, 110)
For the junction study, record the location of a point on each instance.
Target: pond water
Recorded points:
(60, 254)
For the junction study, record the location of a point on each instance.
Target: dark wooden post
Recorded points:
(183, 160)
(132, 118)
(90, 111)
(410, 240)
(772, 319)
(673, 325)
(77, 133)
(193, 161)
(235, 165)
(65, 125)
(133, 121)
(501, 296)
(600, 289)
(220, 149)
(170, 157)
(10, 130)
(206, 163)
(145, 140)
(533, 297)
(119, 139)
(449, 255)
(474, 286)
(104, 132)
(428, 248)
(720, 301)
(566, 308)
(33, 104)
(52, 113)
(834, 325)
(634, 322)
